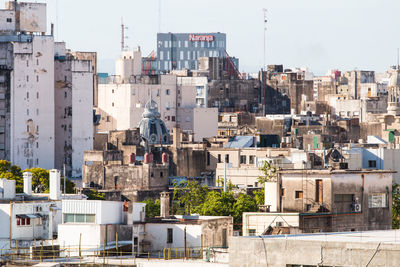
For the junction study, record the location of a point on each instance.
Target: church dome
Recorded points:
(152, 128)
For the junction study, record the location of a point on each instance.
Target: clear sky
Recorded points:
(318, 34)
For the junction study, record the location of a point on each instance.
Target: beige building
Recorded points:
(324, 200)
(242, 164)
(181, 100)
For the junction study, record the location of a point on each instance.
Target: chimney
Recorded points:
(176, 137)
(28, 183)
(55, 191)
(164, 204)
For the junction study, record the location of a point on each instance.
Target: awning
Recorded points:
(30, 216)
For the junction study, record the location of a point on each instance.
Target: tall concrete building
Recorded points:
(176, 51)
(73, 109)
(29, 101)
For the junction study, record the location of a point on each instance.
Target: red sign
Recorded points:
(196, 38)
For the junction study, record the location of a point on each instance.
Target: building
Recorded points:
(181, 101)
(307, 201)
(73, 93)
(32, 94)
(177, 51)
(372, 248)
(25, 217)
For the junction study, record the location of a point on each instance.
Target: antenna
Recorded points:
(123, 37)
(397, 58)
(265, 35)
(58, 37)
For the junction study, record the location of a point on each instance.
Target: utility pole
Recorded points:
(265, 36)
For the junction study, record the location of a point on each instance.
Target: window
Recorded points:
(283, 192)
(112, 104)
(161, 174)
(65, 94)
(27, 63)
(371, 163)
(242, 159)
(224, 238)
(219, 158)
(299, 194)
(27, 78)
(187, 119)
(173, 118)
(227, 158)
(377, 200)
(27, 95)
(9, 19)
(37, 112)
(252, 232)
(170, 235)
(165, 43)
(112, 91)
(37, 62)
(37, 144)
(27, 128)
(37, 95)
(23, 221)
(344, 197)
(37, 128)
(79, 218)
(251, 159)
(208, 158)
(161, 55)
(181, 55)
(186, 43)
(167, 92)
(37, 78)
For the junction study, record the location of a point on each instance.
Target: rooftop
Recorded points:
(383, 236)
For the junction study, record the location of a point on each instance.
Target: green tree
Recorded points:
(40, 180)
(94, 195)
(244, 203)
(259, 196)
(269, 172)
(12, 172)
(152, 207)
(396, 207)
(218, 204)
(191, 195)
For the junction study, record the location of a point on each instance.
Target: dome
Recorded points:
(152, 128)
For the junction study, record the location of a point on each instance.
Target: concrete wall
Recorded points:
(107, 212)
(32, 141)
(205, 123)
(259, 222)
(246, 252)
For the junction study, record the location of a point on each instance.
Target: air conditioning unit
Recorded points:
(356, 207)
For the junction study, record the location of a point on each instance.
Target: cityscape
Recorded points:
(183, 157)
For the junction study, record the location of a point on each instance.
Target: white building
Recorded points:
(73, 110)
(182, 101)
(25, 217)
(31, 95)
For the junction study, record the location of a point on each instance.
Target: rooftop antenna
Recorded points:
(123, 37)
(57, 20)
(265, 35)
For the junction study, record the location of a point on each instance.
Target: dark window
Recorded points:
(219, 158)
(299, 194)
(283, 191)
(371, 163)
(9, 20)
(227, 158)
(170, 235)
(173, 118)
(242, 159)
(208, 158)
(251, 159)
(161, 174)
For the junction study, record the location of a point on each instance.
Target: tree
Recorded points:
(396, 207)
(244, 203)
(259, 196)
(269, 172)
(191, 195)
(12, 172)
(94, 195)
(152, 207)
(40, 180)
(218, 204)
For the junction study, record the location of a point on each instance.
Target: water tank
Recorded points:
(148, 158)
(165, 158)
(132, 158)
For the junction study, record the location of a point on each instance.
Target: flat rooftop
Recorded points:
(382, 236)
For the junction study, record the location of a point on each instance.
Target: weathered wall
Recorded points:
(246, 252)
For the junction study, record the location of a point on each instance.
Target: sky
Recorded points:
(318, 34)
